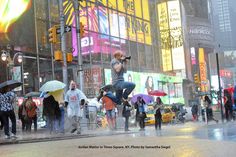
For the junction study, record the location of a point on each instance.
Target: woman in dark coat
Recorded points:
(51, 111)
(140, 112)
(126, 113)
(158, 116)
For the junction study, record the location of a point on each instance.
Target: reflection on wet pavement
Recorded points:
(219, 132)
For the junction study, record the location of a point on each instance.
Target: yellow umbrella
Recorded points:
(58, 95)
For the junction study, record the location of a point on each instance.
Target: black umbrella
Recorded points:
(10, 84)
(32, 94)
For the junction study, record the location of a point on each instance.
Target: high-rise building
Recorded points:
(224, 13)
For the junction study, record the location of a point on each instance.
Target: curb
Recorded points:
(58, 138)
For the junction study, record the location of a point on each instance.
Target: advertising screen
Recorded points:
(150, 81)
(165, 37)
(116, 24)
(171, 36)
(175, 27)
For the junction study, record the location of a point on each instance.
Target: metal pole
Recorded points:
(220, 96)
(80, 63)
(36, 40)
(51, 45)
(22, 76)
(63, 43)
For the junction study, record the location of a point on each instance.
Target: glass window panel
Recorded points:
(112, 4)
(138, 8)
(145, 10)
(31, 81)
(131, 28)
(140, 29)
(121, 5)
(103, 20)
(92, 17)
(134, 54)
(95, 47)
(114, 23)
(150, 57)
(142, 56)
(105, 46)
(122, 26)
(129, 6)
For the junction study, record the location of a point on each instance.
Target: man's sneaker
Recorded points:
(7, 137)
(73, 130)
(78, 132)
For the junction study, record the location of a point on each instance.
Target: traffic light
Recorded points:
(69, 57)
(52, 33)
(196, 79)
(81, 29)
(57, 55)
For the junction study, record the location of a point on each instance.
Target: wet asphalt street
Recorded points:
(180, 140)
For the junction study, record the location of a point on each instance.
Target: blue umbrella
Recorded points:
(147, 98)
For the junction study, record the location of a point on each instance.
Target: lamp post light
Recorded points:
(10, 62)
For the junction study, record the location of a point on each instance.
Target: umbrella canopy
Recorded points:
(10, 84)
(157, 93)
(147, 98)
(58, 95)
(51, 86)
(32, 94)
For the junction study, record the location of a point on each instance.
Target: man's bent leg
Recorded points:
(129, 87)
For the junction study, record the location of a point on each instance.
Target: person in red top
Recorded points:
(109, 106)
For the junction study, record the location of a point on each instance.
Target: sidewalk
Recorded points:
(42, 135)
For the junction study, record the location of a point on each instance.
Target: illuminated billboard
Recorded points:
(150, 81)
(203, 70)
(172, 48)
(117, 24)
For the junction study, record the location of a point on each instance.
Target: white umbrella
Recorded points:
(51, 86)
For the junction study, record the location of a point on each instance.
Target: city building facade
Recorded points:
(157, 34)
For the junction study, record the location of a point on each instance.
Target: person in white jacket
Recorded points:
(73, 99)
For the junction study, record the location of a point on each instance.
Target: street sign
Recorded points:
(66, 29)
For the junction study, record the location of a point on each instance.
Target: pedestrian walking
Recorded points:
(73, 99)
(51, 111)
(7, 110)
(31, 113)
(109, 106)
(194, 111)
(118, 68)
(126, 114)
(157, 110)
(228, 104)
(140, 107)
(209, 112)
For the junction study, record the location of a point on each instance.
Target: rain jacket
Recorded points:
(74, 97)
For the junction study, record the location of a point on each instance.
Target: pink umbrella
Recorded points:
(157, 93)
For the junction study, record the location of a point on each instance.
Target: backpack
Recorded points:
(31, 109)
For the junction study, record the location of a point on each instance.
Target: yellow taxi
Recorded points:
(168, 115)
(150, 116)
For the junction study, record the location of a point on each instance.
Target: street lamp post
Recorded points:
(10, 62)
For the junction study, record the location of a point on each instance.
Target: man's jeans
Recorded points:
(120, 86)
